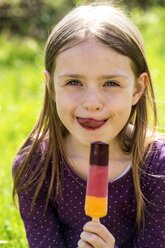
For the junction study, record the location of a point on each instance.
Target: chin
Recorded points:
(94, 139)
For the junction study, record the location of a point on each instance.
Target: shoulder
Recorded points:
(155, 161)
(158, 149)
(153, 177)
(156, 155)
(19, 158)
(25, 154)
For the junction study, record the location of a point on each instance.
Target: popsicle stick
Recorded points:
(95, 219)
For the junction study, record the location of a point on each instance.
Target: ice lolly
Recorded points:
(96, 199)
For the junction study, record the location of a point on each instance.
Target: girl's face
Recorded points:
(95, 89)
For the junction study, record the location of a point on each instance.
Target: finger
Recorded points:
(83, 244)
(93, 239)
(100, 230)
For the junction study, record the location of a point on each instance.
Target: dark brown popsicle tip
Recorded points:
(99, 153)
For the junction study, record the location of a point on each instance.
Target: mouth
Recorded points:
(90, 124)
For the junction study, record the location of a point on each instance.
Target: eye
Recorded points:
(74, 83)
(111, 84)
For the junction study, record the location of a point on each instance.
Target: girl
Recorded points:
(98, 88)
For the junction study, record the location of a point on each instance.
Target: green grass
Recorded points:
(151, 24)
(21, 91)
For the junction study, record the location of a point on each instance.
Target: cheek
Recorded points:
(64, 104)
(60, 105)
(121, 110)
(122, 103)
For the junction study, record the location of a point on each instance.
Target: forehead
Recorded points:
(94, 56)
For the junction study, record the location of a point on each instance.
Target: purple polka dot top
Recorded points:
(62, 223)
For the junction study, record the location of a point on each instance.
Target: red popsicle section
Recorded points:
(98, 181)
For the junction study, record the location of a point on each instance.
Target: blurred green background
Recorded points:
(24, 28)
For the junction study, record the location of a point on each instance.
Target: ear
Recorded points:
(139, 88)
(47, 78)
(47, 82)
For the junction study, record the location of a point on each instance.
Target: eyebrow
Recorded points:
(72, 75)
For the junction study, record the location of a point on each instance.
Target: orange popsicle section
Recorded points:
(95, 207)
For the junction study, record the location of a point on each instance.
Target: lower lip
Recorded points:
(90, 128)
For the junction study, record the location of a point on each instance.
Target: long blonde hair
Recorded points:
(110, 26)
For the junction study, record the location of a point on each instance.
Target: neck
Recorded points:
(77, 150)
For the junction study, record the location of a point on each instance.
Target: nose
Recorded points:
(93, 101)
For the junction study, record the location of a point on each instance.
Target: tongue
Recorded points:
(90, 123)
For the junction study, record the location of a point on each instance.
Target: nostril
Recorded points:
(93, 107)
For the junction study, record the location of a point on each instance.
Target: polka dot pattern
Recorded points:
(62, 223)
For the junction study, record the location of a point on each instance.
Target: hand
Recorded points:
(96, 235)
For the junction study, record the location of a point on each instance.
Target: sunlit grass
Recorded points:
(152, 24)
(20, 103)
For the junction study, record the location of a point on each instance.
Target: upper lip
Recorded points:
(91, 122)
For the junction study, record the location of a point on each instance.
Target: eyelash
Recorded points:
(78, 83)
(74, 82)
(112, 84)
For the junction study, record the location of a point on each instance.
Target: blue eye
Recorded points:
(111, 83)
(74, 82)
